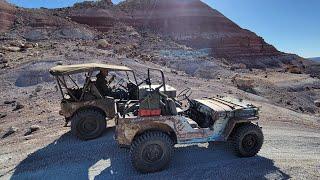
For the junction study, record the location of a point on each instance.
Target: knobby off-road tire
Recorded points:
(247, 140)
(151, 152)
(88, 124)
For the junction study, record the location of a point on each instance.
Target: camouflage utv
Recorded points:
(84, 104)
(152, 126)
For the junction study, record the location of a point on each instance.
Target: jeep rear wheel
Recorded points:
(151, 152)
(248, 140)
(88, 124)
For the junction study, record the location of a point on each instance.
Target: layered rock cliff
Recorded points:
(194, 23)
(7, 16)
(190, 22)
(101, 15)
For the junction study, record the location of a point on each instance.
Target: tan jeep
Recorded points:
(153, 125)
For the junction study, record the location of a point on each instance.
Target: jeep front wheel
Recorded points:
(88, 124)
(248, 140)
(151, 152)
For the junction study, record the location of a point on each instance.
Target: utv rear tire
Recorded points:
(88, 124)
(151, 152)
(248, 140)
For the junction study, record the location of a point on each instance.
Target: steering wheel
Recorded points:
(184, 94)
(120, 84)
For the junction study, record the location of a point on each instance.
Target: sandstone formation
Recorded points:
(7, 16)
(190, 22)
(101, 15)
(194, 23)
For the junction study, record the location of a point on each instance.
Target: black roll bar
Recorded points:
(162, 76)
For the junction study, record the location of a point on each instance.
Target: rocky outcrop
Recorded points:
(7, 16)
(189, 22)
(194, 23)
(101, 15)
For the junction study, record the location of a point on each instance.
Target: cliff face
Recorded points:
(7, 16)
(189, 22)
(101, 15)
(194, 23)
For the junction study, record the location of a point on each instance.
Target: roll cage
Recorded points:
(64, 73)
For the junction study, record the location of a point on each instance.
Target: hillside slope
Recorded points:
(130, 34)
(7, 16)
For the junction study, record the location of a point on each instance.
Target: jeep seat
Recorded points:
(171, 107)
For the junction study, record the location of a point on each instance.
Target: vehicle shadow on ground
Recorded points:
(70, 158)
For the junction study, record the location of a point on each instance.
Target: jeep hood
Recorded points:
(226, 106)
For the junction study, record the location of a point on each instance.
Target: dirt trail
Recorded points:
(288, 151)
(291, 147)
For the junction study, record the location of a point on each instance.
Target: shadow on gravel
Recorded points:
(69, 158)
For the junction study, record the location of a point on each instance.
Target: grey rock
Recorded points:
(102, 43)
(3, 115)
(38, 88)
(18, 106)
(10, 131)
(9, 102)
(36, 35)
(74, 33)
(32, 129)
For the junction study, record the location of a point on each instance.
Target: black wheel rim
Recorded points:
(88, 126)
(249, 142)
(152, 153)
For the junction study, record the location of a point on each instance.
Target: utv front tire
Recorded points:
(248, 140)
(88, 124)
(151, 152)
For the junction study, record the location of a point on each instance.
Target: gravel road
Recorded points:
(288, 152)
(291, 148)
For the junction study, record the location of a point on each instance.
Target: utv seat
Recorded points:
(171, 107)
(173, 110)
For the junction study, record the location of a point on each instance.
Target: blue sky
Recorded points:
(290, 25)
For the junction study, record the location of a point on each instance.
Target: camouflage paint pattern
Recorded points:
(106, 105)
(224, 113)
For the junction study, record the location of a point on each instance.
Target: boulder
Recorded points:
(18, 106)
(38, 88)
(3, 59)
(238, 66)
(294, 69)
(102, 43)
(2, 115)
(9, 102)
(28, 45)
(32, 129)
(243, 83)
(17, 44)
(10, 131)
(11, 48)
(134, 34)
